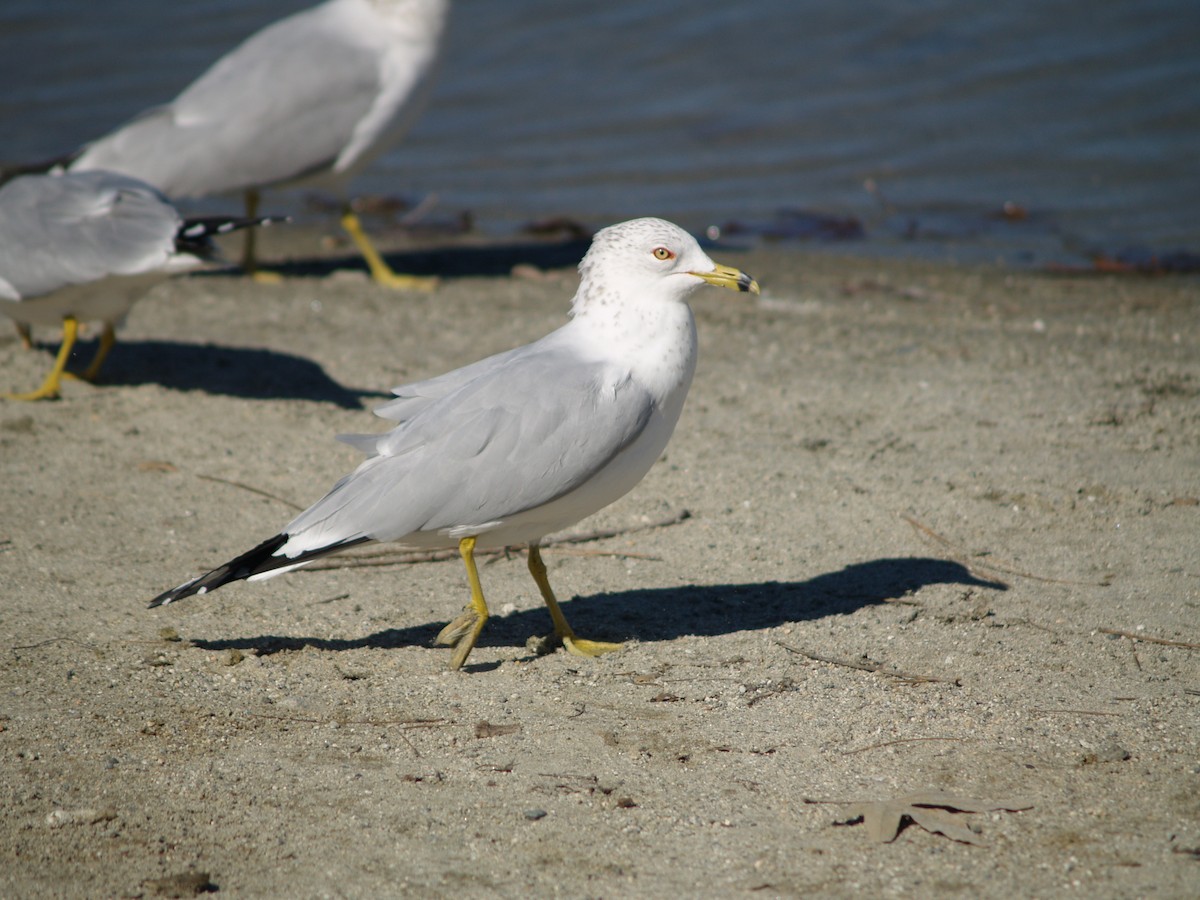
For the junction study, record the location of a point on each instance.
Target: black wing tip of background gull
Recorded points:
(258, 561)
(195, 234)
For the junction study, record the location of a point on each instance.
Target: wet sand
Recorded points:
(976, 483)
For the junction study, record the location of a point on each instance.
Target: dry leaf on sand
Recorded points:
(934, 811)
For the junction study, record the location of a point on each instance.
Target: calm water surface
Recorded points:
(1085, 115)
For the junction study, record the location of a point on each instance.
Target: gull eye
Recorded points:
(663, 253)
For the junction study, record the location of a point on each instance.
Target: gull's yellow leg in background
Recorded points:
(108, 338)
(380, 271)
(50, 387)
(463, 632)
(577, 645)
(250, 245)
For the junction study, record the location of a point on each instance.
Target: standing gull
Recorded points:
(84, 247)
(524, 443)
(312, 98)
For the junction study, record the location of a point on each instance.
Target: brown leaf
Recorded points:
(486, 729)
(941, 821)
(882, 818)
(965, 804)
(184, 884)
(932, 810)
(156, 465)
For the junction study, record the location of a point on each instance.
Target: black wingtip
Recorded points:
(258, 561)
(184, 590)
(195, 234)
(252, 562)
(170, 596)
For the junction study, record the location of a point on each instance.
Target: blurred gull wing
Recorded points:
(61, 231)
(85, 246)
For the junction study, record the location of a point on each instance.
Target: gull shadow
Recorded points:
(448, 261)
(659, 614)
(662, 614)
(250, 373)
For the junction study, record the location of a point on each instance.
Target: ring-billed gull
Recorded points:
(524, 443)
(314, 97)
(84, 247)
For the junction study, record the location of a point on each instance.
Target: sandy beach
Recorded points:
(942, 537)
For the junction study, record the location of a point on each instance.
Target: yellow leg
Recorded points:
(108, 338)
(250, 244)
(463, 632)
(577, 645)
(50, 387)
(380, 271)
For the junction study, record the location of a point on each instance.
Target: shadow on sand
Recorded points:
(662, 614)
(453, 260)
(249, 373)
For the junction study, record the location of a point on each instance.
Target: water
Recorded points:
(1086, 116)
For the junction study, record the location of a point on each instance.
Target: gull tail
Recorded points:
(195, 235)
(261, 562)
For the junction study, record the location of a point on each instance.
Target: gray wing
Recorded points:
(282, 105)
(539, 425)
(412, 398)
(71, 229)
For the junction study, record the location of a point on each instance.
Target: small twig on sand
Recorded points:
(408, 557)
(407, 723)
(388, 558)
(1073, 712)
(53, 640)
(1134, 636)
(1032, 624)
(1136, 659)
(253, 490)
(905, 741)
(601, 534)
(963, 556)
(870, 666)
(620, 554)
(403, 723)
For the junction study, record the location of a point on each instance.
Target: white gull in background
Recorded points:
(312, 98)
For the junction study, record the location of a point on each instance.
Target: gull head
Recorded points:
(646, 261)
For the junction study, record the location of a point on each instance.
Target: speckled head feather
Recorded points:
(635, 261)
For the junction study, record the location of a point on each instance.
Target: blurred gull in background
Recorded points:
(86, 246)
(313, 98)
